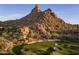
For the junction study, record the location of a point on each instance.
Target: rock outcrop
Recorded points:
(36, 9)
(43, 23)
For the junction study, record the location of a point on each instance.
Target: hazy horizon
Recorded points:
(68, 12)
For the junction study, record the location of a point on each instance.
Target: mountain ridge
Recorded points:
(44, 22)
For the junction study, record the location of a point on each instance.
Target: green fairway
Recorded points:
(48, 48)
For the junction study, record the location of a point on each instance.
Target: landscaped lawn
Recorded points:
(47, 48)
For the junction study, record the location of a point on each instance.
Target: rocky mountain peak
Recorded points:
(48, 10)
(46, 19)
(36, 9)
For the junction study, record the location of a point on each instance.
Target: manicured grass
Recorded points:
(47, 48)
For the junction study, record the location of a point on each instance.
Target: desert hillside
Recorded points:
(37, 26)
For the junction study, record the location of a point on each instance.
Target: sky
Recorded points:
(68, 12)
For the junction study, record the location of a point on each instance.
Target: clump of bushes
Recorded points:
(55, 36)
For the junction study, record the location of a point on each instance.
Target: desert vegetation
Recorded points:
(39, 33)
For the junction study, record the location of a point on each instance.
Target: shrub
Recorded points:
(54, 36)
